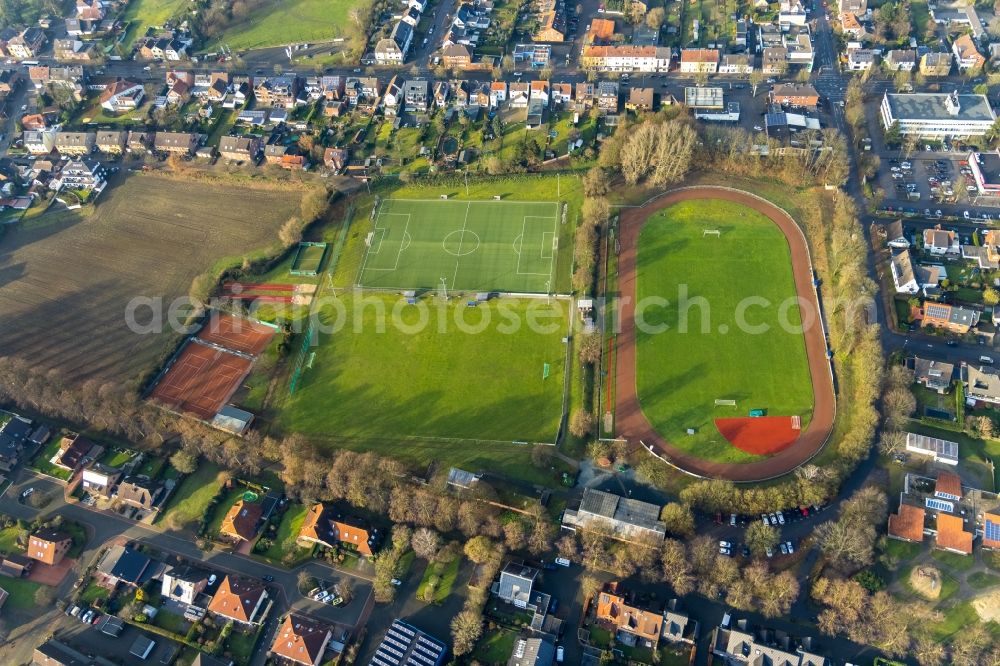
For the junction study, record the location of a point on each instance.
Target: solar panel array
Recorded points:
(940, 505)
(404, 645)
(992, 530)
(941, 448)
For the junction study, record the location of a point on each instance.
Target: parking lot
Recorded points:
(939, 185)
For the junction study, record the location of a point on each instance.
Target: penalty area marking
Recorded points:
(403, 243)
(541, 250)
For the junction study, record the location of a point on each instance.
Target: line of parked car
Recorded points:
(85, 614)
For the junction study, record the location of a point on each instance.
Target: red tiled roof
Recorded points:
(908, 523)
(236, 599)
(948, 483)
(300, 639)
(951, 534)
(241, 521)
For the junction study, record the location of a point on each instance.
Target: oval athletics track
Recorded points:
(630, 421)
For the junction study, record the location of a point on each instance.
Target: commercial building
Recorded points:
(624, 517)
(986, 172)
(626, 58)
(938, 115)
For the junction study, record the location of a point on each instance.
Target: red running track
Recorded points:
(630, 421)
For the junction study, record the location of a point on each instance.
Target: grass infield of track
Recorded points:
(381, 385)
(469, 245)
(681, 374)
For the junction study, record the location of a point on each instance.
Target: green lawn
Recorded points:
(92, 592)
(495, 647)
(222, 508)
(902, 550)
(954, 561)
(446, 572)
(171, 622)
(955, 618)
(151, 467)
(381, 375)
(705, 353)
(22, 593)
(116, 458)
(982, 580)
(41, 462)
(241, 645)
(291, 21)
(8, 540)
(144, 14)
(190, 501)
(284, 545)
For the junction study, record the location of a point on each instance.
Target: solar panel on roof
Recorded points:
(992, 530)
(940, 505)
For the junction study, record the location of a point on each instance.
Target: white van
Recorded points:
(562, 561)
(986, 360)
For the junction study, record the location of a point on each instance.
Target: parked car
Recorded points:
(781, 517)
(784, 549)
(560, 653)
(791, 548)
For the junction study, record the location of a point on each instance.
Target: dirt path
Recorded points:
(630, 420)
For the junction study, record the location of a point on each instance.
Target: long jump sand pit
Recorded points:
(988, 606)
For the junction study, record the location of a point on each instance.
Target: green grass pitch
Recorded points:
(378, 382)
(681, 374)
(472, 245)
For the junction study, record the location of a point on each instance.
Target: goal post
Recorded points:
(711, 232)
(721, 402)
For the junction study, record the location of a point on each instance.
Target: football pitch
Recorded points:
(462, 246)
(720, 332)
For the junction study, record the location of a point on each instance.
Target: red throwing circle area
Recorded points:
(759, 435)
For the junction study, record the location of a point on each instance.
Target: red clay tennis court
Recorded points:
(760, 435)
(241, 335)
(201, 380)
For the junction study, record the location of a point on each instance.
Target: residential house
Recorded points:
(405, 644)
(607, 96)
(322, 526)
(122, 96)
(240, 523)
(532, 652)
(49, 546)
(32, 122)
(176, 50)
(392, 96)
(794, 94)
(910, 279)
(124, 565)
(935, 375)
(27, 45)
(411, 16)
(180, 91)
(239, 148)
(98, 479)
(539, 93)
(894, 236)
(678, 627)
(301, 640)
(183, 143)
(15, 565)
(74, 452)
(241, 600)
(111, 142)
(935, 64)
(456, 56)
(394, 48)
(982, 384)
(699, 61)
(955, 18)
(860, 59)
(900, 60)
(736, 63)
(442, 93)
(277, 91)
(550, 25)
(9, 78)
(940, 242)
(335, 158)
(183, 584)
(40, 142)
(139, 141)
(138, 492)
(774, 60)
(851, 26)
(949, 317)
(460, 93)
(626, 518)
(497, 94)
(293, 162)
(602, 31)
(626, 58)
(516, 582)
(791, 12)
(73, 50)
(13, 435)
(75, 143)
(361, 90)
(640, 99)
(416, 95)
(738, 646)
(562, 94)
(967, 55)
(629, 624)
(154, 48)
(253, 117)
